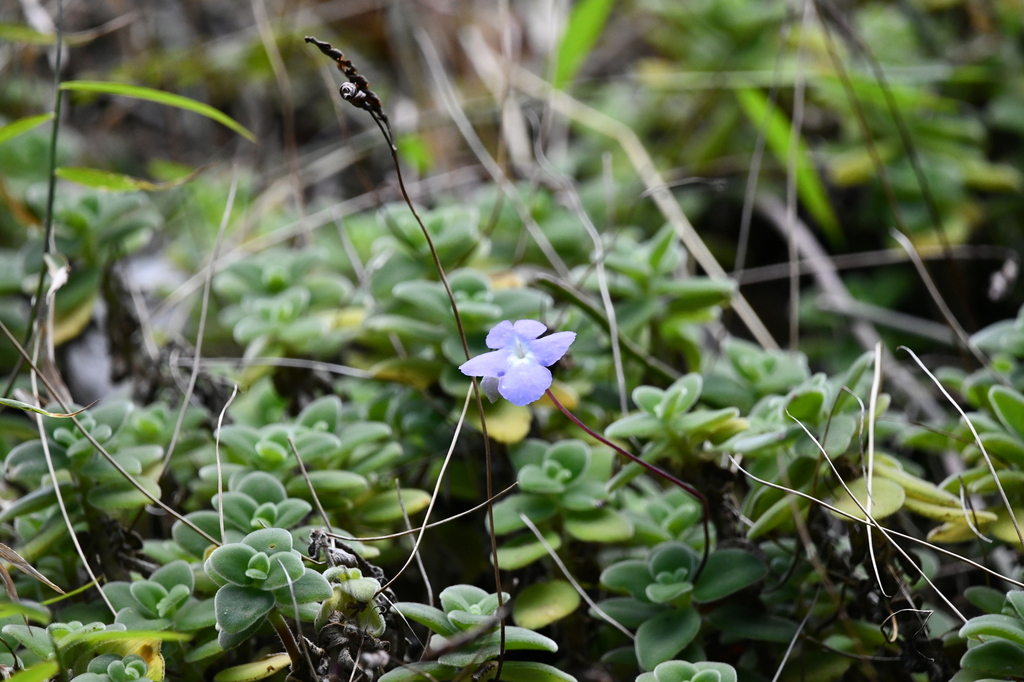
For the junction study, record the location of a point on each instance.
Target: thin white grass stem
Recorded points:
(435, 524)
(202, 325)
(977, 440)
(968, 513)
(602, 284)
(885, 531)
(933, 291)
(43, 438)
(796, 636)
(433, 497)
(755, 162)
(312, 490)
(419, 559)
(876, 384)
(220, 471)
(572, 581)
(302, 363)
(298, 619)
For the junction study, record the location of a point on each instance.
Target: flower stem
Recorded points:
(689, 489)
(385, 129)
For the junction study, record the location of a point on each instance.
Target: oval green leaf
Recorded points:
(664, 636)
(728, 571)
(543, 603)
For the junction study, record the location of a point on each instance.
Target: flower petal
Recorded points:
(524, 382)
(528, 330)
(501, 335)
(490, 387)
(491, 364)
(550, 349)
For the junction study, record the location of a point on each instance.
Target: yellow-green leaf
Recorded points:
(159, 97)
(952, 531)
(939, 512)
(257, 670)
(887, 497)
(506, 423)
(1003, 528)
(117, 182)
(23, 125)
(37, 673)
(543, 603)
(19, 33)
(918, 488)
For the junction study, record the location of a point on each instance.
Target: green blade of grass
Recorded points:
(808, 182)
(18, 405)
(117, 182)
(37, 673)
(159, 97)
(23, 125)
(19, 33)
(586, 22)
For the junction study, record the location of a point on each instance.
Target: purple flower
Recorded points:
(518, 366)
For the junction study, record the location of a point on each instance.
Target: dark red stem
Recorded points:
(689, 489)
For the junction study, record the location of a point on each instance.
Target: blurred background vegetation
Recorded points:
(801, 140)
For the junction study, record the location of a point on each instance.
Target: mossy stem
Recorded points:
(287, 638)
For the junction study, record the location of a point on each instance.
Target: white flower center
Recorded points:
(520, 353)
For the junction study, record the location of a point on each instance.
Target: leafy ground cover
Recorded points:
(539, 342)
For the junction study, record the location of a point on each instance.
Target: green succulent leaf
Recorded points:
(662, 637)
(240, 608)
(728, 571)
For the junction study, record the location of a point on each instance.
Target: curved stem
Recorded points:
(385, 130)
(287, 638)
(689, 489)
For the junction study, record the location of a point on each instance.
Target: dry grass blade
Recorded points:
(794, 145)
(977, 440)
(13, 558)
(947, 314)
(451, 102)
(483, 60)
(572, 581)
(419, 560)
